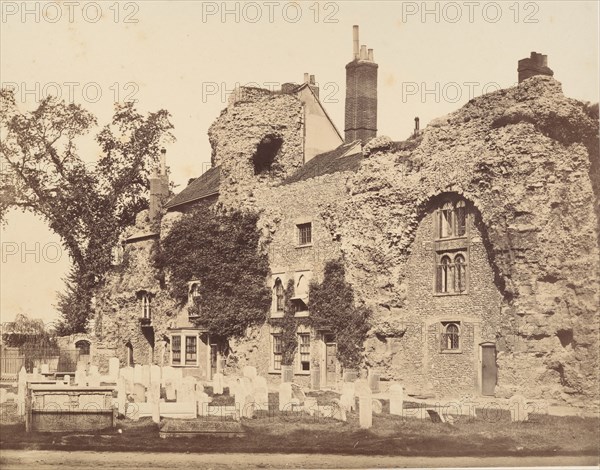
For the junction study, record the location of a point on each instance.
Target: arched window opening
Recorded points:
(279, 295)
(461, 219)
(444, 274)
(446, 220)
(266, 152)
(145, 299)
(460, 278)
(450, 336)
(83, 347)
(129, 354)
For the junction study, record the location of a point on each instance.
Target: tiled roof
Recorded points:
(205, 185)
(346, 157)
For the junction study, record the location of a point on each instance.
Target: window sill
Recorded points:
(277, 315)
(183, 366)
(303, 314)
(449, 294)
(451, 351)
(308, 245)
(461, 237)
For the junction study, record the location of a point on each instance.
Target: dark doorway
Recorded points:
(489, 369)
(330, 362)
(83, 347)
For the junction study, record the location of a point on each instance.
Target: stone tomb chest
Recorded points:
(60, 408)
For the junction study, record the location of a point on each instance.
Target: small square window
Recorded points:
(304, 234)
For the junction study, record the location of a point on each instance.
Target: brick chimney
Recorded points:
(537, 64)
(361, 93)
(159, 187)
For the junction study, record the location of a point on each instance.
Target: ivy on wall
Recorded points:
(332, 307)
(221, 251)
(289, 339)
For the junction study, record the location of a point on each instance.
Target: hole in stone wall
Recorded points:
(565, 337)
(266, 151)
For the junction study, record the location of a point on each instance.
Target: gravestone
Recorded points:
(311, 406)
(154, 399)
(139, 392)
(121, 394)
(155, 374)
(518, 409)
(374, 382)
(261, 392)
(298, 393)
(93, 378)
(249, 371)
(361, 387)
(435, 416)
(3, 395)
(67, 379)
(80, 377)
(21, 391)
(365, 408)
(347, 400)
(45, 369)
(146, 375)
(127, 373)
(187, 390)
(170, 390)
(396, 399)
(377, 406)
(113, 368)
(339, 411)
(137, 373)
(202, 400)
(218, 384)
(285, 396)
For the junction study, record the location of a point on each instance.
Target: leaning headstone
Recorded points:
(249, 371)
(285, 396)
(365, 405)
(339, 411)
(435, 416)
(139, 392)
(218, 384)
(377, 406)
(518, 409)
(396, 399)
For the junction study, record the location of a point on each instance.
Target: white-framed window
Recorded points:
(304, 232)
(277, 352)
(450, 338)
(304, 351)
(184, 349)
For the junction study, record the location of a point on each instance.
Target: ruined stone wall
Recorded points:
(237, 132)
(522, 156)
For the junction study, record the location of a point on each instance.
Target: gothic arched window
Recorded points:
(279, 295)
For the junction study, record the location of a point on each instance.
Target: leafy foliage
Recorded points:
(31, 337)
(87, 205)
(220, 250)
(332, 306)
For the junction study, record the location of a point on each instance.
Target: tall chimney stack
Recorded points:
(159, 188)
(361, 93)
(536, 64)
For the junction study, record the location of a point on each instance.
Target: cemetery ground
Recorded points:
(491, 433)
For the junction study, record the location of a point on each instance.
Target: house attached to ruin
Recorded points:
(474, 242)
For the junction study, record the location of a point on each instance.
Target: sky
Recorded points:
(187, 56)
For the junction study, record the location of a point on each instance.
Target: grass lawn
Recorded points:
(273, 431)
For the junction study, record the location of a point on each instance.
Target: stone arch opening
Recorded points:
(83, 346)
(266, 153)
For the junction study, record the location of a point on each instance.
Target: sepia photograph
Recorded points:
(299, 234)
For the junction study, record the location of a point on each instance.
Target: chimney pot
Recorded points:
(363, 52)
(355, 41)
(312, 80)
(370, 55)
(305, 78)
